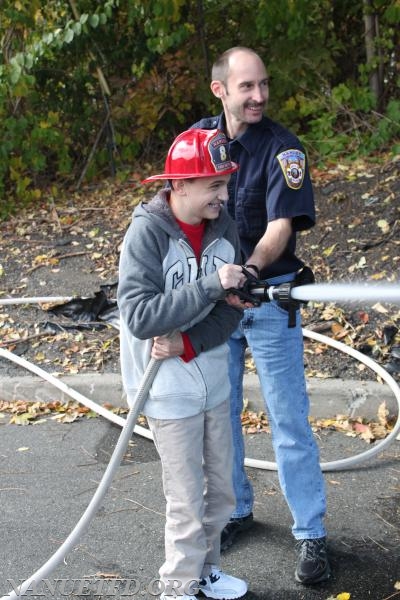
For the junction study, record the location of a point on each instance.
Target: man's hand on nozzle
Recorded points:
(236, 302)
(231, 276)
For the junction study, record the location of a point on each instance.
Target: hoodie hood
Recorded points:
(159, 211)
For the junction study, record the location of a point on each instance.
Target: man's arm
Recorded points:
(272, 244)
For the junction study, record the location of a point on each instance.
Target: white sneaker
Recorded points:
(221, 586)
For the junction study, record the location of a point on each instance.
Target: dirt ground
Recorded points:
(70, 247)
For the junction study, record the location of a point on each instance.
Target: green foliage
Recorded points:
(45, 79)
(299, 45)
(160, 106)
(163, 26)
(387, 130)
(89, 86)
(344, 123)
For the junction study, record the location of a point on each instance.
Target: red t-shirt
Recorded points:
(194, 233)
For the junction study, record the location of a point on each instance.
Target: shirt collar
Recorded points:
(248, 139)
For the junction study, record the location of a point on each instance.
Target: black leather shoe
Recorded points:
(312, 561)
(232, 528)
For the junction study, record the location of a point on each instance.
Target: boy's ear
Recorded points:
(178, 185)
(217, 88)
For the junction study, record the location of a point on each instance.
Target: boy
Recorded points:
(176, 267)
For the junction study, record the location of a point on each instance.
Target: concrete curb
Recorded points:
(328, 397)
(99, 387)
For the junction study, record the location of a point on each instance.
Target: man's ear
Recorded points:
(217, 88)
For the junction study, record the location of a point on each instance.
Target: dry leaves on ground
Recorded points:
(368, 430)
(25, 413)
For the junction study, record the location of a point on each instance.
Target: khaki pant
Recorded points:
(196, 458)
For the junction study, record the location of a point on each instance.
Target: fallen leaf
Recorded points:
(380, 431)
(378, 276)
(364, 431)
(379, 308)
(22, 419)
(66, 418)
(339, 332)
(383, 413)
(40, 258)
(362, 263)
(363, 316)
(254, 422)
(383, 225)
(328, 251)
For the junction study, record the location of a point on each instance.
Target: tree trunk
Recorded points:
(370, 23)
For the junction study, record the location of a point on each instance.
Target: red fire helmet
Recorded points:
(197, 153)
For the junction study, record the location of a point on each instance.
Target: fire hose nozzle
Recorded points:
(281, 292)
(256, 291)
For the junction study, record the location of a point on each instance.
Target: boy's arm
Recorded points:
(216, 328)
(145, 307)
(212, 331)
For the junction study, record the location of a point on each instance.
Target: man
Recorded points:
(176, 267)
(271, 198)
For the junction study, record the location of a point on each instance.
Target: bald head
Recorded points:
(223, 64)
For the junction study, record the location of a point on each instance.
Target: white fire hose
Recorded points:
(331, 292)
(95, 503)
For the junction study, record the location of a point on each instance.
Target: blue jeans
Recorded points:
(278, 354)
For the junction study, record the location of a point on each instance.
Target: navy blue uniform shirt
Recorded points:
(272, 182)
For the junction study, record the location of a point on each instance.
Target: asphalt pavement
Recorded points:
(50, 471)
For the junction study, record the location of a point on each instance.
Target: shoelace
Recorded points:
(213, 577)
(311, 548)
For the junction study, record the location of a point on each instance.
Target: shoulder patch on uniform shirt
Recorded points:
(293, 164)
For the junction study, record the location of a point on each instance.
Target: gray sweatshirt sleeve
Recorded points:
(145, 307)
(221, 322)
(216, 328)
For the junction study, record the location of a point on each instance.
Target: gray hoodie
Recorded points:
(163, 289)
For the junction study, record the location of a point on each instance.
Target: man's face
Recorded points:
(245, 93)
(203, 197)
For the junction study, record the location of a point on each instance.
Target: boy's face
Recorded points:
(200, 198)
